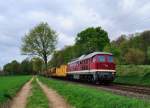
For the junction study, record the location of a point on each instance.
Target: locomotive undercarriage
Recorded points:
(94, 77)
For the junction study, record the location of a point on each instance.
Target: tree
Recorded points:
(37, 65)
(56, 59)
(26, 67)
(64, 56)
(7, 68)
(134, 56)
(15, 67)
(145, 37)
(122, 44)
(92, 39)
(12, 68)
(121, 39)
(40, 41)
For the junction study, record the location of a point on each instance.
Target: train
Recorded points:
(95, 67)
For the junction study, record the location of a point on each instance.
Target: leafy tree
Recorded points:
(26, 67)
(7, 68)
(121, 43)
(57, 59)
(120, 40)
(134, 56)
(135, 41)
(40, 41)
(145, 37)
(15, 67)
(92, 39)
(12, 68)
(37, 65)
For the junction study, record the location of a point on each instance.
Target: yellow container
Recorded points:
(61, 71)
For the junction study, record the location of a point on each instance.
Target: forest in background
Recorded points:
(127, 50)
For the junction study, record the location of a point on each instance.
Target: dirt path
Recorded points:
(55, 100)
(21, 99)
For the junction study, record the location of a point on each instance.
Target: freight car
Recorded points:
(94, 67)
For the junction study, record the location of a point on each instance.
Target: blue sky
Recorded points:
(67, 18)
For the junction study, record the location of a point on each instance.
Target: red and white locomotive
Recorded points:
(95, 67)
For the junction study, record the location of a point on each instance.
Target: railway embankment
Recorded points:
(133, 75)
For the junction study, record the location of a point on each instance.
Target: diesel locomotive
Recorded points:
(94, 67)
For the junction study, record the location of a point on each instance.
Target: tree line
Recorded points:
(131, 49)
(26, 67)
(41, 42)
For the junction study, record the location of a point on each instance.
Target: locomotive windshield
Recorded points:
(110, 58)
(101, 58)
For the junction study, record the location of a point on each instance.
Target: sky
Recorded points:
(67, 18)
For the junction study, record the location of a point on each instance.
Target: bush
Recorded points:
(134, 56)
(133, 74)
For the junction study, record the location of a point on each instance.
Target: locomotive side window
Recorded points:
(101, 58)
(110, 59)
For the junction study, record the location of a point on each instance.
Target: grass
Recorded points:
(38, 98)
(86, 97)
(10, 85)
(133, 75)
(133, 80)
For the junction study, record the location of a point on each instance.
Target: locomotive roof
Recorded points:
(83, 57)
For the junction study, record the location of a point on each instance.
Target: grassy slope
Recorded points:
(133, 74)
(38, 98)
(9, 85)
(85, 97)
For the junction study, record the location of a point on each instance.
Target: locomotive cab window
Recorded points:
(110, 59)
(101, 58)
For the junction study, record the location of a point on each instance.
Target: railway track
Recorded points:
(125, 90)
(135, 89)
(129, 91)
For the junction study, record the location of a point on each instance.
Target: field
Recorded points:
(10, 85)
(133, 75)
(86, 97)
(76, 95)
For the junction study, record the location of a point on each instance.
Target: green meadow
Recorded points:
(10, 85)
(86, 97)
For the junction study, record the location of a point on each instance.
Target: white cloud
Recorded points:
(65, 23)
(64, 40)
